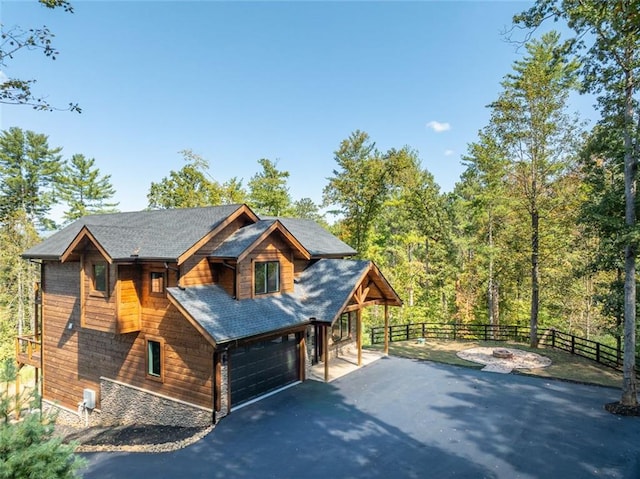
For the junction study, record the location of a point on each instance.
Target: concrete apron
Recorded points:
(346, 363)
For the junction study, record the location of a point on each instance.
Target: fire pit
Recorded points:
(502, 353)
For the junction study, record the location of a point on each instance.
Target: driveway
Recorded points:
(398, 418)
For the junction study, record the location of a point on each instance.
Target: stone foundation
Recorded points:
(125, 404)
(74, 418)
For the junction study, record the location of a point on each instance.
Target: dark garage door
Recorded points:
(260, 367)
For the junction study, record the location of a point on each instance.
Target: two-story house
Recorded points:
(177, 316)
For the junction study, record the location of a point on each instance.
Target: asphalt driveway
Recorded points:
(398, 418)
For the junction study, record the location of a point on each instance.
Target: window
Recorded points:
(157, 282)
(99, 280)
(267, 277)
(342, 327)
(154, 359)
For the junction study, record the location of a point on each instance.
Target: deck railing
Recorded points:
(28, 350)
(601, 353)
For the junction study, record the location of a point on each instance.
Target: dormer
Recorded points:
(259, 259)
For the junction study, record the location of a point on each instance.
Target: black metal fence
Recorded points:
(601, 353)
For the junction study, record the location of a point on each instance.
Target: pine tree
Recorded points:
(83, 189)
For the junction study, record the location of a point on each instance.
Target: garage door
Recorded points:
(261, 367)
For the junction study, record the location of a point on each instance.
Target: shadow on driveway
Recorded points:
(399, 418)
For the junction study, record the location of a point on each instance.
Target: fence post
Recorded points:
(485, 332)
(597, 352)
(455, 331)
(407, 332)
(516, 337)
(553, 337)
(573, 344)
(423, 324)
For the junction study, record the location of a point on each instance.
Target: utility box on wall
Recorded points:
(89, 398)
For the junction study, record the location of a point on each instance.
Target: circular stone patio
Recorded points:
(504, 360)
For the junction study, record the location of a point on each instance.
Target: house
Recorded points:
(178, 316)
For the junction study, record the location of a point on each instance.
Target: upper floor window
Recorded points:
(157, 281)
(267, 277)
(100, 277)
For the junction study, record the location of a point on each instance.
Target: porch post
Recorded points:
(326, 353)
(386, 329)
(359, 334)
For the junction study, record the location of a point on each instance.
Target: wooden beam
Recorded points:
(359, 335)
(217, 382)
(326, 353)
(302, 355)
(386, 329)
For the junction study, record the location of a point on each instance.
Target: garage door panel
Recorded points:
(261, 367)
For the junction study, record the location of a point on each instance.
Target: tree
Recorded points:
(233, 192)
(189, 187)
(84, 190)
(28, 448)
(15, 40)
(17, 277)
(361, 185)
(268, 191)
(28, 171)
(487, 174)
(537, 135)
(607, 38)
(305, 208)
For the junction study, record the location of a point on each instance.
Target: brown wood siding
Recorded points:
(299, 265)
(99, 311)
(196, 270)
(75, 357)
(271, 249)
(129, 294)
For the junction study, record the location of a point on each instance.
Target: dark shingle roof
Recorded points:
(239, 241)
(321, 293)
(316, 240)
(155, 234)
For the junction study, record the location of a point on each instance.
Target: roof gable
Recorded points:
(154, 234)
(243, 241)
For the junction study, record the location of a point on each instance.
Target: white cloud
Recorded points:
(438, 127)
(3, 77)
(448, 152)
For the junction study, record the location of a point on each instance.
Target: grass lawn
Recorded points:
(563, 365)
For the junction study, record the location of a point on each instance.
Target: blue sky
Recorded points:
(240, 81)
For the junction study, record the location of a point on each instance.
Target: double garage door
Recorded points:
(261, 367)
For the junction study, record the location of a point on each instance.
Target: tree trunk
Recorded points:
(629, 381)
(535, 280)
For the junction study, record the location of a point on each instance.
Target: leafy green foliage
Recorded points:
(83, 189)
(28, 171)
(268, 191)
(28, 448)
(606, 39)
(189, 187)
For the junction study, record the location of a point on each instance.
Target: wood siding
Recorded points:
(98, 310)
(128, 289)
(76, 357)
(272, 248)
(196, 270)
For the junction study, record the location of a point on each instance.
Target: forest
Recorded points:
(539, 230)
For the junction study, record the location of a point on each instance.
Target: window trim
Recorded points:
(93, 291)
(164, 283)
(147, 358)
(257, 264)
